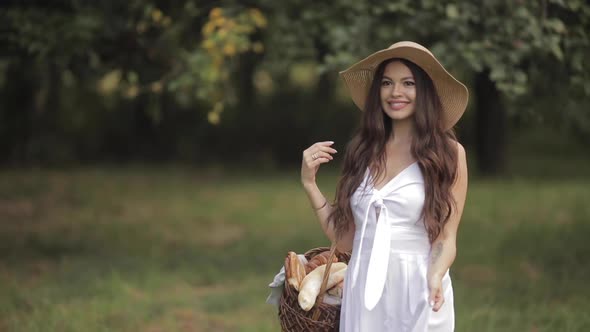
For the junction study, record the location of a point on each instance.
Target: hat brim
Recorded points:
(453, 94)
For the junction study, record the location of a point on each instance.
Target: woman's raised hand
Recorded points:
(318, 153)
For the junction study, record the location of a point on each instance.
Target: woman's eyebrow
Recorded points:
(402, 79)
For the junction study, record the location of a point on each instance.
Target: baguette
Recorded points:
(296, 269)
(310, 287)
(287, 267)
(319, 259)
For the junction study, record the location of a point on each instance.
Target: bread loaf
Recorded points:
(310, 287)
(296, 270)
(287, 267)
(319, 259)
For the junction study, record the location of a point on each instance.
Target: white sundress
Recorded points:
(386, 287)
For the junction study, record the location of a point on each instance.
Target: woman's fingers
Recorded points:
(438, 304)
(313, 164)
(325, 143)
(436, 299)
(321, 160)
(317, 154)
(319, 150)
(324, 146)
(321, 154)
(327, 149)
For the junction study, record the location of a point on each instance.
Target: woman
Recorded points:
(401, 194)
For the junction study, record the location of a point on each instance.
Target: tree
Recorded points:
(502, 43)
(149, 60)
(496, 44)
(131, 55)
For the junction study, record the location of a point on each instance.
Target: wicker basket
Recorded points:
(322, 317)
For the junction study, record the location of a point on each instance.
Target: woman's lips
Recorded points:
(398, 105)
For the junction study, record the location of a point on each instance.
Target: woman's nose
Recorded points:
(396, 90)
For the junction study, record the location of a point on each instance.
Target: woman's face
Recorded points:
(398, 91)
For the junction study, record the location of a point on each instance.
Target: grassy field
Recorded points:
(180, 249)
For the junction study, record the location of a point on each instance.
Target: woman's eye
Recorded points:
(385, 83)
(409, 83)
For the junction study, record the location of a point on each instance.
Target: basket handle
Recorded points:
(320, 298)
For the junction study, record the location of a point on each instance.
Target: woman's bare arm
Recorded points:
(444, 247)
(317, 154)
(323, 209)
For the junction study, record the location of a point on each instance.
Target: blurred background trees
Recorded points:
(255, 82)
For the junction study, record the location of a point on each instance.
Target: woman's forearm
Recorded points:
(444, 248)
(442, 256)
(322, 209)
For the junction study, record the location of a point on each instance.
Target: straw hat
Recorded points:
(452, 93)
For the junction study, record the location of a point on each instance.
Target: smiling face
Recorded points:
(398, 91)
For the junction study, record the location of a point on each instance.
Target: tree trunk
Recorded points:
(246, 92)
(17, 113)
(491, 126)
(246, 114)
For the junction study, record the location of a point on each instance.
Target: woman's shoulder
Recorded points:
(461, 154)
(458, 146)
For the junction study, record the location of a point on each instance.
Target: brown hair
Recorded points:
(432, 147)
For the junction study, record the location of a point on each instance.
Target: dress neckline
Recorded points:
(390, 180)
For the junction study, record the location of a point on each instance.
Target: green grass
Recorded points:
(181, 249)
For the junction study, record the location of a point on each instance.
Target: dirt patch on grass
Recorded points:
(479, 274)
(30, 273)
(203, 232)
(222, 234)
(530, 270)
(16, 209)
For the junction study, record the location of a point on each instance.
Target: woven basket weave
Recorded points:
(322, 317)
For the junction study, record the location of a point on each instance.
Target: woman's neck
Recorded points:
(403, 132)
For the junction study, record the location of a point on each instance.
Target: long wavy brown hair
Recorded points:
(433, 147)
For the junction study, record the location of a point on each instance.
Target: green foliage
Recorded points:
(511, 41)
(147, 59)
(166, 53)
(50, 35)
(508, 38)
(207, 69)
(505, 37)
